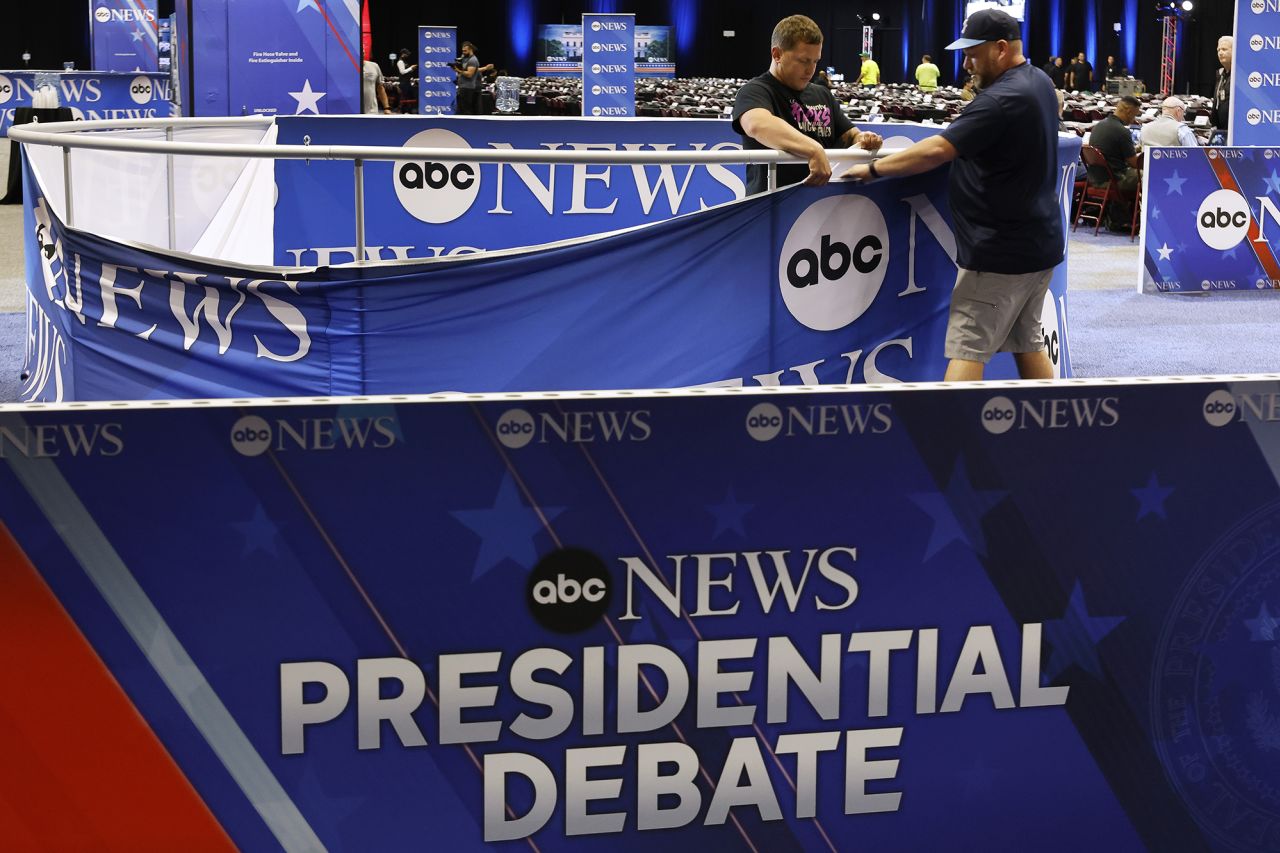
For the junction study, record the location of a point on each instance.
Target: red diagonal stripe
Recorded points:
(1261, 250)
(336, 34)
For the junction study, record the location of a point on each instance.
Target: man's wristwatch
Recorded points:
(871, 170)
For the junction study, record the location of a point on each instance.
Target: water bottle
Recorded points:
(507, 94)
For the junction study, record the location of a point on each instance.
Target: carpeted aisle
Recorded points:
(12, 350)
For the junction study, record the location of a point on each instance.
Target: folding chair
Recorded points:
(1095, 198)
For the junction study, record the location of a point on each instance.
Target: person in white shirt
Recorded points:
(373, 97)
(1169, 130)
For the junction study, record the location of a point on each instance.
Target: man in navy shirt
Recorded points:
(781, 109)
(1003, 188)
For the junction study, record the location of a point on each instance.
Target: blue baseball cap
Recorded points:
(987, 25)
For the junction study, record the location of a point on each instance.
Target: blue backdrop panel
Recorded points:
(1211, 217)
(859, 620)
(89, 95)
(609, 65)
(837, 285)
(277, 56)
(1255, 74)
(124, 35)
(437, 47)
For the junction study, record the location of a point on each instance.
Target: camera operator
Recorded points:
(469, 70)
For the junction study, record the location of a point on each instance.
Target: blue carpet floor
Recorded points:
(1113, 333)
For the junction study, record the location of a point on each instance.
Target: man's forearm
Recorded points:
(773, 132)
(929, 153)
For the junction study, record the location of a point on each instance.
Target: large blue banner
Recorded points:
(608, 66)
(558, 51)
(1234, 195)
(89, 96)
(437, 50)
(430, 209)
(125, 36)
(1255, 74)
(836, 285)
(268, 57)
(971, 619)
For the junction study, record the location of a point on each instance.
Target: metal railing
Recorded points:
(89, 135)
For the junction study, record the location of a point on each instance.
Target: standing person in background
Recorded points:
(469, 70)
(927, 74)
(1047, 68)
(1222, 89)
(1081, 74)
(1003, 151)
(1113, 69)
(373, 95)
(408, 87)
(870, 74)
(1059, 74)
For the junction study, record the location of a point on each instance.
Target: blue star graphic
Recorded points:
(307, 4)
(506, 530)
(1075, 637)
(1155, 212)
(729, 515)
(1174, 184)
(136, 35)
(1262, 629)
(259, 533)
(1273, 182)
(957, 513)
(1182, 247)
(1151, 498)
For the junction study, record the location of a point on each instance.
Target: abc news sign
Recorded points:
(608, 68)
(437, 47)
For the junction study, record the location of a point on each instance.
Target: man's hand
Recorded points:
(859, 172)
(868, 140)
(819, 169)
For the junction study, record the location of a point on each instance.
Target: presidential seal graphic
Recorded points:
(1215, 689)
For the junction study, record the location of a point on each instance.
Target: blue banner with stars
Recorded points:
(1210, 219)
(858, 619)
(125, 35)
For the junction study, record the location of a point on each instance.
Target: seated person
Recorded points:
(1111, 136)
(1170, 128)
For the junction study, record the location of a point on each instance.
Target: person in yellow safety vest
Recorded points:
(927, 74)
(870, 71)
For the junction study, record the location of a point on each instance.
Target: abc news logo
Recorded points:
(1259, 42)
(516, 428)
(254, 436)
(1222, 407)
(141, 90)
(1223, 219)
(436, 192)
(1256, 116)
(597, 68)
(833, 261)
(765, 421)
(569, 590)
(1000, 414)
(1258, 79)
(1260, 6)
(608, 90)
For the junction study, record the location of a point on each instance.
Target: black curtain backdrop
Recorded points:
(55, 31)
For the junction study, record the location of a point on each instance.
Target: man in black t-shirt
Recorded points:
(782, 110)
(1081, 74)
(1003, 151)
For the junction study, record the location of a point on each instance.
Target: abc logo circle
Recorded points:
(595, 69)
(436, 192)
(1223, 219)
(1254, 116)
(1219, 408)
(140, 90)
(595, 47)
(1205, 285)
(6, 89)
(1257, 7)
(101, 15)
(1156, 154)
(1255, 79)
(569, 590)
(595, 90)
(251, 436)
(595, 26)
(1049, 330)
(833, 261)
(998, 415)
(515, 428)
(764, 422)
(1256, 43)
(596, 111)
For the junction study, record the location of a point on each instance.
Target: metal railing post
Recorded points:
(168, 173)
(66, 182)
(773, 176)
(359, 169)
